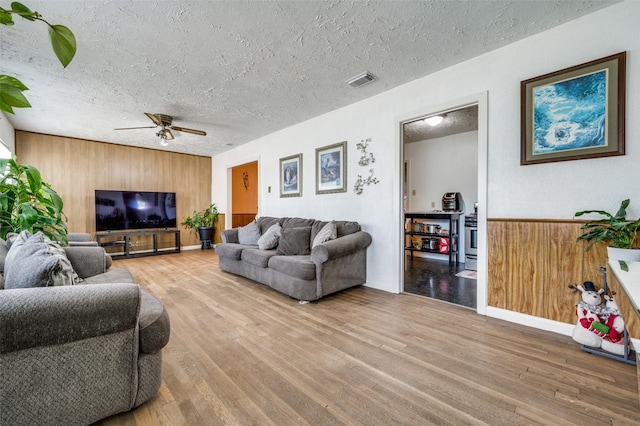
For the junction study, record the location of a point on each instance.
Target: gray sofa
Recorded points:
(76, 354)
(329, 267)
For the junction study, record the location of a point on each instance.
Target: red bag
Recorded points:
(444, 245)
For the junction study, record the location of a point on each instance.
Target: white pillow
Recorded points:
(328, 232)
(269, 240)
(249, 234)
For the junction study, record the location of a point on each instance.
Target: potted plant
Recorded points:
(201, 222)
(27, 203)
(616, 231)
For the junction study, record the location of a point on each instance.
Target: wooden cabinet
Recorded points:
(626, 285)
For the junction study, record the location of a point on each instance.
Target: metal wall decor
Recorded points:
(366, 158)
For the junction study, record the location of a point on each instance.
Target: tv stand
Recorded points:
(131, 244)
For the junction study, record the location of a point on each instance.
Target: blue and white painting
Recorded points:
(570, 114)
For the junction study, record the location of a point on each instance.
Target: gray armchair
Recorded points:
(76, 354)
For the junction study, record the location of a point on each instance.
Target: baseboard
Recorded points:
(196, 247)
(531, 321)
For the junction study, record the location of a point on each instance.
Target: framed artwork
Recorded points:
(291, 176)
(331, 168)
(574, 113)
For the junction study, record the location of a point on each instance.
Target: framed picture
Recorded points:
(574, 113)
(331, 168)
(291, 176)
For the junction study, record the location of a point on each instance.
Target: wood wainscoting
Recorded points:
(241, 219)
(532, 262)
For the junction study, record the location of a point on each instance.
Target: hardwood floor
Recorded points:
(243, 354)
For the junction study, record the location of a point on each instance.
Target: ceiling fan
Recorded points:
(164, 122)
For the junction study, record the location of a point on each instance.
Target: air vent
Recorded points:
(360, 79)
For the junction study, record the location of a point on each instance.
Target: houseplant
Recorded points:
(202, 222)
(615, 230)
(29, 203)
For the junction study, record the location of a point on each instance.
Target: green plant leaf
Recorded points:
(63, 42)
(6, 18)
(23, 11)
(12, 81)
(11, 94)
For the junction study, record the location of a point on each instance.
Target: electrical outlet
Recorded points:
(269, 190)
(433, 204)
(413, 192)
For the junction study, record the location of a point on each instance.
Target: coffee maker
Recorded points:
(452, 202)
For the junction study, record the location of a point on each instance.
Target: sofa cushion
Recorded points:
(294, 241)
(29, 262)
(266, 222)
(347, 228)
(328, 232)
(294, 266)
(249, 234)
(296, 222)
(257, 257)
(269, 239)
(154, 324)
(113, 275)
(231, 250)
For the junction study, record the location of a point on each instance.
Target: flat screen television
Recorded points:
(122, 210)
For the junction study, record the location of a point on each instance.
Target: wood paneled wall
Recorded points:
(77, 167)
(532, 262)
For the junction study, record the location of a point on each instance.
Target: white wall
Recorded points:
(7, 133)
(554, 190)
(448, 164)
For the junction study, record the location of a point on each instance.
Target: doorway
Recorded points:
(441, 159)
(244, 194)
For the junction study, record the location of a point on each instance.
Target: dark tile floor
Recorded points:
(437, 279)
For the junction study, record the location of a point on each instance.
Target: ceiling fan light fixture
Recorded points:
(163, 138)
(434, 120)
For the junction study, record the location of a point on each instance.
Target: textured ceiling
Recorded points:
(243, 69)
(453, 122)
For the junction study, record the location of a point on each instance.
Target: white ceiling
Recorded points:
(243, 69)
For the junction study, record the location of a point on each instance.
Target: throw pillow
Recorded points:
(11, 237)
(3, 254)
(294, 241)
(249, 234)
(29, 262)
(328, 232)
(64, 274)
(269, 240)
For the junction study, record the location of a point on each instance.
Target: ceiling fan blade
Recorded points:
(168, 135)
(132, 128)
(154, 118)
(184, 129)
